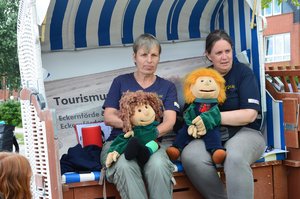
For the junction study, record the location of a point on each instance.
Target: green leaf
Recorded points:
(267, 3)
(10, 112)
(9, 65)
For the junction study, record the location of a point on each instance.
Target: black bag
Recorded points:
(81, 160)
(7, 138)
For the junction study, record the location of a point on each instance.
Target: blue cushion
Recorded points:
(71, 177)
(178, 166)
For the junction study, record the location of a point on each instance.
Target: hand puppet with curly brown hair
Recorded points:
(204, 89)
(140, 112)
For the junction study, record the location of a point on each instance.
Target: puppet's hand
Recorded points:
(192, 131)
(201, 129)
(198, 121)
(129, 134)
(210, 119)
(111, 158)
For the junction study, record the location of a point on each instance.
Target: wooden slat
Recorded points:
(292, 163)
(286, 72)
(263, 182)
(293, 182)
(293, 154)
(280, 184)
(274, 73)
(280, 95)
(290, 111)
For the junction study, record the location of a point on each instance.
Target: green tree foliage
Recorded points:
(9, 66)
(10, 112)
(266, 3)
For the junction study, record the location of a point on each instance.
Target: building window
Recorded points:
(277, 48)
(273, 9)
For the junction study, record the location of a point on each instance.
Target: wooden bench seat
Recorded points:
(92, 189)
(269, 183)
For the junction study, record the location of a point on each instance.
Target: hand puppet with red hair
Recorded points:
(204, 89)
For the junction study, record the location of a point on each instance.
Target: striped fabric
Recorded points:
(86, 24)
(274, 134)
(72, 177)
(275, 156)
(81, 24)
(178, 166)
(118, 22)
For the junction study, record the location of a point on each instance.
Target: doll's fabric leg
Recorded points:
(200, 169)
(213, 144)
(139, 151)
(244, 148)
(126, 175)
(158, 172)
(181, 140)
(132, 149)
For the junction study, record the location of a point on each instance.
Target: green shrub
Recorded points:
(10, 113)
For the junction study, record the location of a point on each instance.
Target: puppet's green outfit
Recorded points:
(145, 134)
(210, 119)
(208, 110)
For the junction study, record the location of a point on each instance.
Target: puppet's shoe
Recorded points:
(173, 153)
(219, 156)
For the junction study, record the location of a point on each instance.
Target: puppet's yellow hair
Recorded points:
(194, 75)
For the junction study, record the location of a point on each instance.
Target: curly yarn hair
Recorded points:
(192, 77)
(130, 100)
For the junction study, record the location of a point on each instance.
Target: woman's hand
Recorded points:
(169, 119)
(111, 118)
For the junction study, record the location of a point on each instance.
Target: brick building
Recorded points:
(282, 35)
(5, 94)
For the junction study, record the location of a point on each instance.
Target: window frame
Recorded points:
(272, 7)
(277, 47)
